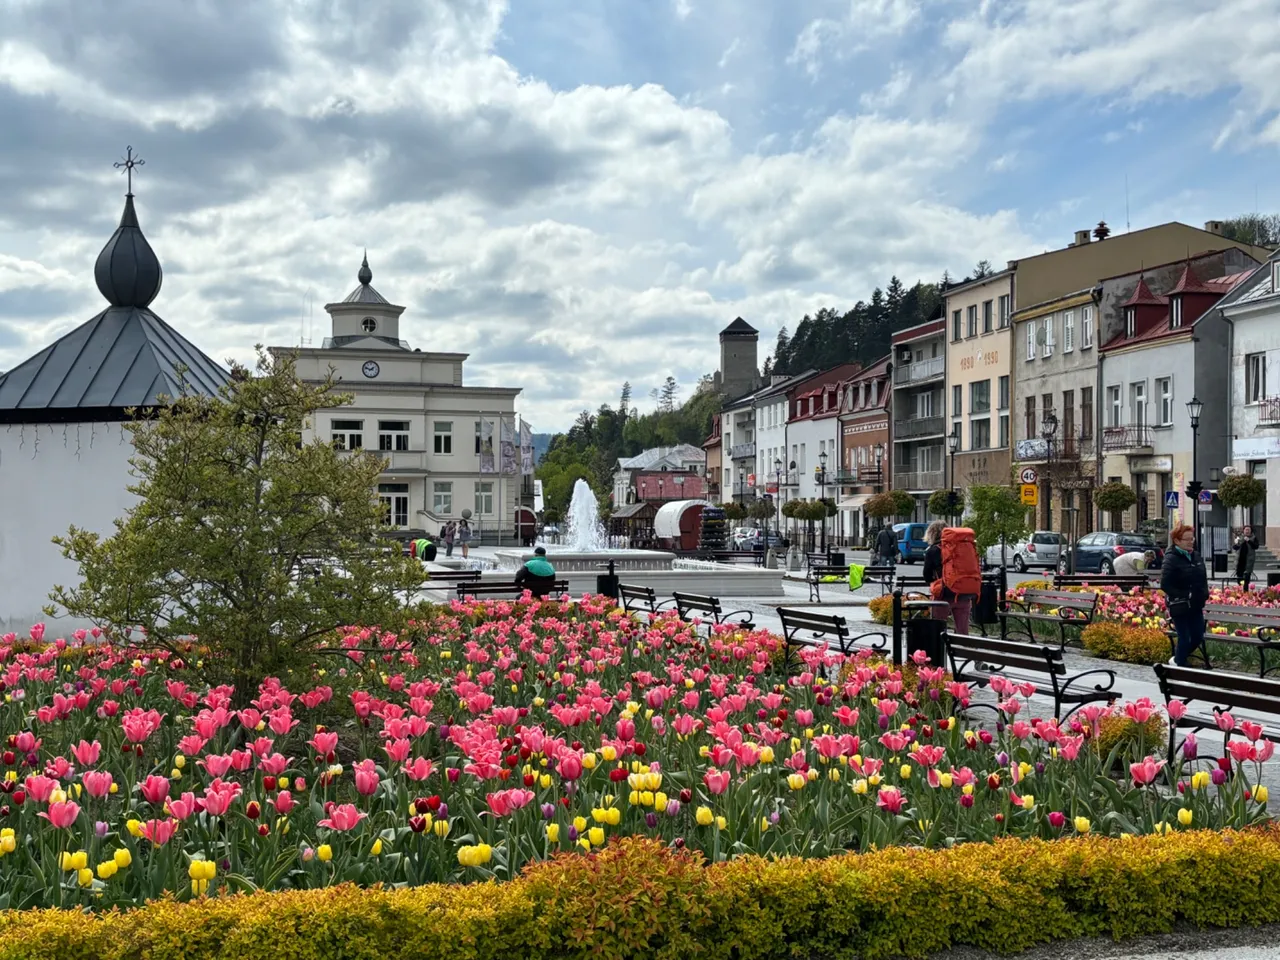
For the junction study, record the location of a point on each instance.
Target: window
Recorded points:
(484, 497)
(924, 408)
(1068, 331)
(980, 434)
(1048, 337)
(1004, 393)
(347, 434)
(1138, 403)
(957, 399)
(1255, 378)
(1086, 328)
(1002, 309)
(368, 325)
(1046, 406)
(986, 316)
(1069, 416)
(443, 436)
(1086, 412)
(1030, 418)
(980, 396)
(1130, 315)
(955, 324)
(442, 497)
(393, 434)
(1175, 312)
(1031, 340)
(971, 318)
(395, 503)
(480, 436)
(1004, 430)
(1115, 416)
(1164, 393)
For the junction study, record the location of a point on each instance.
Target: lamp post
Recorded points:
(1048, 431)
(879, 484)
(953, 442)
(1194, 409)
(822, 495)
(777, 496)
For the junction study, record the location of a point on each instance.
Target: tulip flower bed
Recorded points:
(497, 734)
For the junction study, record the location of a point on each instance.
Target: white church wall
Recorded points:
(53, 476)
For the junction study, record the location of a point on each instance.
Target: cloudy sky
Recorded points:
(579, 192)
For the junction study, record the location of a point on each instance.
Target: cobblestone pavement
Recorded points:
(1249, 943)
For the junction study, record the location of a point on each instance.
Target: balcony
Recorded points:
(865, 475)
(743, 451)
(1134, 439)
(920, 371)
(402, 461)
(904, 478)
(919, 427)
(1269, 410)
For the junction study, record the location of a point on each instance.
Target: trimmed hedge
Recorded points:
(639, 899)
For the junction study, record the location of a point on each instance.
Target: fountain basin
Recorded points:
(575, 561)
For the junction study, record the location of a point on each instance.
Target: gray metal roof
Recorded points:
(365, 294)
(123, 357)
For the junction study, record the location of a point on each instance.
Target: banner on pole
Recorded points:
(487, 464)
(508, 448)
(526, 448)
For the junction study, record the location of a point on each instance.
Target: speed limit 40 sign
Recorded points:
(1029, 475)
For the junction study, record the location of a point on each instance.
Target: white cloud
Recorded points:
(863, 22)
(683, 8)
(729, 51)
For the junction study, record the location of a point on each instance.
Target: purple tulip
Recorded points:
(443, 812)
(1218, 776)
(573, 833)
(548, 810)
(884, 722)
(101, 828)
(651, 820)
(673, 808)
(1002, 758)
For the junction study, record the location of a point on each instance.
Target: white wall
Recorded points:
(51, 477)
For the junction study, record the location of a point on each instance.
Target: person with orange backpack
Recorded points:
(952, 568)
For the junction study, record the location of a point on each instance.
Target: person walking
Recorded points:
(953, 571)
(886, 546)
(1246, 547)
(464, 536)
(1186, 590)
(450, 531)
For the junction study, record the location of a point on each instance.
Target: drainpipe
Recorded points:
(1098, 405)
(1231, 437)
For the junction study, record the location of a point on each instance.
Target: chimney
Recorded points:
(1213, 226)
(1082, 237)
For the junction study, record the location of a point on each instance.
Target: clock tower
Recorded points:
(364, 318)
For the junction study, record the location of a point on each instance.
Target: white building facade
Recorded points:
(450, 451)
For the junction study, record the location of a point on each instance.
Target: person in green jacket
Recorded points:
(537, 575)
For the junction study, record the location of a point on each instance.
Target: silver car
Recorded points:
(1041, 549)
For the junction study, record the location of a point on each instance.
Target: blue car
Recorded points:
(911, 545)
(1096, 552)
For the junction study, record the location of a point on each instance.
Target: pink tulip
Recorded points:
(626, 730)
(62, 814)
(419, 768)
(1146, 771)
(398, 750)
(324, 743)
(1251, 730)
(717, 781)
(216, 764)
(159, 832)
(505, 802)
(155, 789)
(219, 796)
(284, 802)
(184, 806)
(1226, 722)
(1266, 749)
(97, 783)
(366, 777)
(41, 788)
(1140, 710)
(891, 800)
(570, 766)
(1242, 750)
(345, 816)
(86, 754)
(1177, 710)
(1057, 819)
(274, 765)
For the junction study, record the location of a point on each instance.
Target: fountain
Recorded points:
(584, 531)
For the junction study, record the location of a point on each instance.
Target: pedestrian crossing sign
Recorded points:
(1171, 500)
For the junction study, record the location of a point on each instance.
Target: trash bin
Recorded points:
(836, 559)
(1273, 578)
(607, 583)
(925, 633)
(984, 611)
(1219, 561)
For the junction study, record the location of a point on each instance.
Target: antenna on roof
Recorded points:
(307, 322)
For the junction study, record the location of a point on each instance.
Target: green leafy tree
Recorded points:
(244, 537)
(1241, 490)
(734, 511)
(996, 512)
(940, 503)
(761, 510)
(891, 503)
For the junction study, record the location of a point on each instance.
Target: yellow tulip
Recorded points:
(107, 869)
(1082, 825)
(179, 761)
(1260, 794)
(376, 849)
(860, 786)
(796, 781)
(905, 771)
(945, 780)
(596, 836)
(440, 828)
(704, 816)
(766, 754)
(1028, 802)
(614, 816)
(1184, 817)
(324, 852)
(721, 822)
(85, 877)
(553, 832)
(122, 857)
(580, 824)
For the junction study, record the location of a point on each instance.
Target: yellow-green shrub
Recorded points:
(1115, 641)
(637, 899)
(881, 609)
(1118, 728)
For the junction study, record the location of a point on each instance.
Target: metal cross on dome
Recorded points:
(127, 165)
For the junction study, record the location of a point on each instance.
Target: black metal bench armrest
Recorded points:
(1109, 674)
(743, 616)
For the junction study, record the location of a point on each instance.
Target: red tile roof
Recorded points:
(1142, 295)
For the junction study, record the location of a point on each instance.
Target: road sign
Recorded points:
(1029, 475)
(1171, 500)
(1206, 498)
(1204, 507)
(1030, 494)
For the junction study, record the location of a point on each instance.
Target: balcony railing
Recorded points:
(865, 475)
(1269, 410)
(919, 427)
(1119, 439)
(904, 478)
(402, 459)
(920, 371)
(743, 451)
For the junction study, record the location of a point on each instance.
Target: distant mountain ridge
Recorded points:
(541, 443)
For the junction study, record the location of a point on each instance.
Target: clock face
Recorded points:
(371, 369)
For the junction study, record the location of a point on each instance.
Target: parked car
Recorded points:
(758, 541)
(741, 537)
(911, 545)
(1041, 549)
(1097, 552)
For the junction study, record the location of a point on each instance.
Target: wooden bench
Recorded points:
(815, 575)
(509, 589)
(977, 659)
(880, 574)
(690, 605)
(1061, 580)
(822, 626)
(1218, 689)
(912, 584)
(818, 559)
(1263, 624)
(644, 598)
(442, 579)
(1074, 610)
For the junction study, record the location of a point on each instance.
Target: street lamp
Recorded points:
(822, 495)
(953, 442)
(777, 497)
(1194, 409)
(879, 467)
(1049, 430)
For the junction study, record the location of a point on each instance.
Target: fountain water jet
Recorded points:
(584, 532)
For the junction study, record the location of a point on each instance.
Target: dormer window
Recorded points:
(368, 324)
(1129, 320)
(1175, 312)
(1275, 276)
